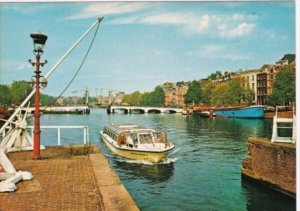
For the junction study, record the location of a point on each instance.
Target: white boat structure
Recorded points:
(284, 126)
(67, 110)
(136, 142)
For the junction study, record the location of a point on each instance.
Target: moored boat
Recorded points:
(66, 110)
(207, 114)
(136, 142)
(241, 112)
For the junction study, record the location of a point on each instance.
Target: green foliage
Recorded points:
(5, 95)
(215, 75)
(230, 93)
(219, 95)
(194, 93)
(46, 100)
(207, 88)
(154, 98)
(235, 92)
(19, 91)
(284, 87)
(133, 99)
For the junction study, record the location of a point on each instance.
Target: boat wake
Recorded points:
(170, 159)
(144, 162)
(175, 151)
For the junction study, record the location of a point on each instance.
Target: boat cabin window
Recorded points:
(145, 138)
(159, 137)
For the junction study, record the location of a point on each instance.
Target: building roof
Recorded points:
(289, 57)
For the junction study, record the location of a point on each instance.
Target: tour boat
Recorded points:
(136, 142)
(241, 112)
(66, 110)
(207, 114)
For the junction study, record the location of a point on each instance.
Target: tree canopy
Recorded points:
(19, 91)
(5, 95)
(194, 93)
(154, 98)
(215, 75)
(230, 93)
(133, 99)
(284, 87)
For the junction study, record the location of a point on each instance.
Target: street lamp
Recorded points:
(39, 41)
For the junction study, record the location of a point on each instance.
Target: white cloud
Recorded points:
(215, 24)
(192, 23)
(225, 26)
(240, 30)
(109, 8)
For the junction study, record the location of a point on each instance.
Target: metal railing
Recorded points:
(59, 128)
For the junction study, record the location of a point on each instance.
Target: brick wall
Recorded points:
(273, 164)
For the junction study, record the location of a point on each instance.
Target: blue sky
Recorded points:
(143, 44)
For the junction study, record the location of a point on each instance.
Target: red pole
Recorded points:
(37, 131)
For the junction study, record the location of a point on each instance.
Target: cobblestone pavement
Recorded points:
(62, 181)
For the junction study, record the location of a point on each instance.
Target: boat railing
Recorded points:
(284, 125)
(85, 134)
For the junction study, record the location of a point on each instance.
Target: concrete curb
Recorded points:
(114, 194)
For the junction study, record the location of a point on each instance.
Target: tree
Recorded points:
(194, 93)
(5, 95)
(154, 98)
(219, 95)
(235, 91)
(284, 88)
(133, 99)
(215, 75)
(158, 96)
(230, 93)
(46, 100)
(207, 88)
(19, 91)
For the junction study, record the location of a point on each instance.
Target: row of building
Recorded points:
(260, 81)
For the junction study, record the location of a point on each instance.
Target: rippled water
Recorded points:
(202, 173)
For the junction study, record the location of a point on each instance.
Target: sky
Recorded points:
(140, 45)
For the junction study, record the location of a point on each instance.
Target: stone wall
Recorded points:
(280, 114)
(273, 164)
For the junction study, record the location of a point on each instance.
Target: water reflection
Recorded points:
(206, 175)
(156, 173)
(258, 198)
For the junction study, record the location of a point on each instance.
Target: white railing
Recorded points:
(289, 122)
(59, 128)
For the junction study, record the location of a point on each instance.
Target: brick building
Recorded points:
(174, 94)
(261, 80)
(267, 75)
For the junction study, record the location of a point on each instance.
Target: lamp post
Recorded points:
(39, 41)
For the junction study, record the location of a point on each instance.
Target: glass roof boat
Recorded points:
(136, 142)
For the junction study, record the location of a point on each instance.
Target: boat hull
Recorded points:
(66, 110)
(245, 112)
(153, 157)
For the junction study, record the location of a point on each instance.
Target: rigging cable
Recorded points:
(78, 70)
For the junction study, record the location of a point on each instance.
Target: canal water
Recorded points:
(202, 173)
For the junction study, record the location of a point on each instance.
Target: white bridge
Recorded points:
(142, 110)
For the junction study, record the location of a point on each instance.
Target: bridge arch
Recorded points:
(137, 110)
(170, 111)
(142, 110)
(121, 109)
(154, 111)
